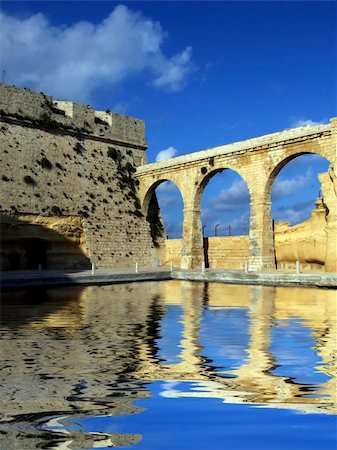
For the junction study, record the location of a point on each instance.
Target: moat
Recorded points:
(170, 365)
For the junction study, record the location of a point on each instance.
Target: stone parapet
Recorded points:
(269, 140)
(42, 111)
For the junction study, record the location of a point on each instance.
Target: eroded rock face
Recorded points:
(312, 242)
(304, 242)
(30, 240)
(329, 190)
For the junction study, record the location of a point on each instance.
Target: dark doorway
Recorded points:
(35, 253)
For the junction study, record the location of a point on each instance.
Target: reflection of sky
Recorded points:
(209, 424)
(171, 330)
(293, 348)
(224, 335)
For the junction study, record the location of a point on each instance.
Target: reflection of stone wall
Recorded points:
(89, 334)
(65, 159)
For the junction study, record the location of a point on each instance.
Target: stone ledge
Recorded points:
(10, 280)
(67, 278)
(260, 278)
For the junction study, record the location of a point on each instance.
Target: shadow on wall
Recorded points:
(29, 241)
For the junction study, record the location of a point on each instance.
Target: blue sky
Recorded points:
(200, 74)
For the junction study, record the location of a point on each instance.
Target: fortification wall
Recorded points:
(61, 159)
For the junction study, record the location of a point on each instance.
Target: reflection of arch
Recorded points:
(254, 381)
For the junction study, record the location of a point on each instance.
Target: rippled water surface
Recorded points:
(168, 366)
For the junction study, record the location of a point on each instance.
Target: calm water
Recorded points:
(168, 366)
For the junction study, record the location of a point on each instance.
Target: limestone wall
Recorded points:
(61, 159)
(312, 242)
(225, 252)
(173, 250)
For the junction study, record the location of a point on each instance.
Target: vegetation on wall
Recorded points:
(56, 210)
(153, 217)
(45, 163)
(29, 180)
(113, 153)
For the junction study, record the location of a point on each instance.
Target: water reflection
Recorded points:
(91, 351)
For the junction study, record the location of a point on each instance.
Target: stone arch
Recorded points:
(209, 175)
(323, 218)
(283, 161)
(149, 191)
(152, 213)
(193, 251)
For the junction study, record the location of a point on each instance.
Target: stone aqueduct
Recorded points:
(257, 161)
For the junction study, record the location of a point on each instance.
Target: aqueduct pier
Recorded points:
(257, 161)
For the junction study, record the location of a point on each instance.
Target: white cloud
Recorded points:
(72, 61)
(167, 201)
(168, 194)
(167, 187)
(173, 71)
(168, 153)
(292, 215)
(233, 198)
(289, 186)
(305, 123)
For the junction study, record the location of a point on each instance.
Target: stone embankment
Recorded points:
(105, 276)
